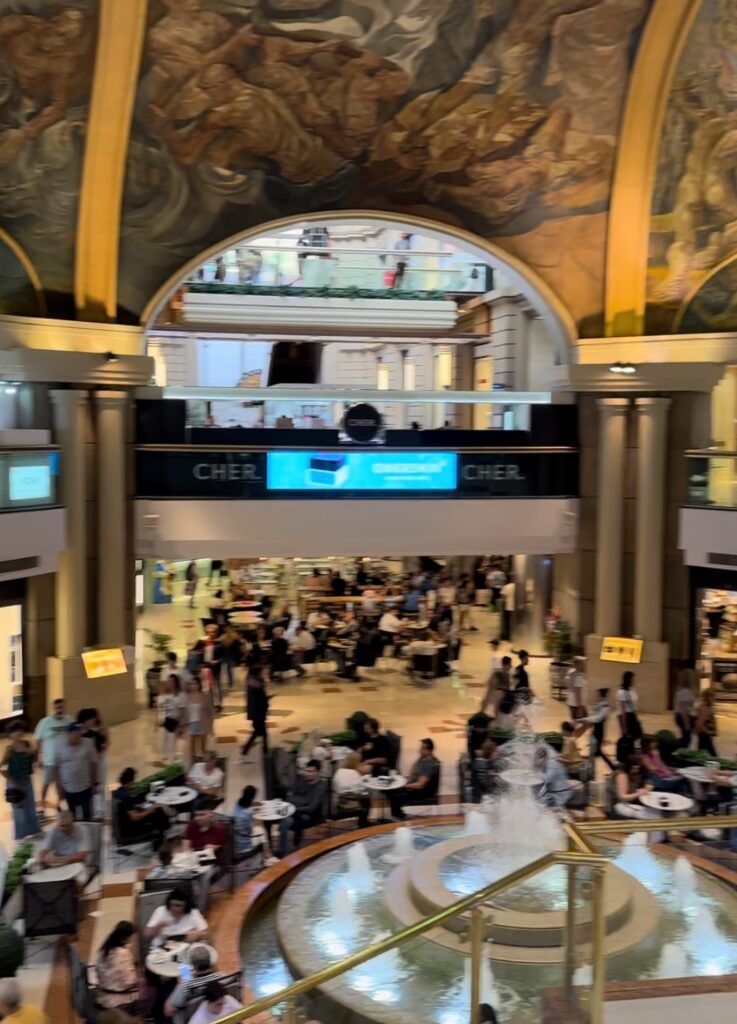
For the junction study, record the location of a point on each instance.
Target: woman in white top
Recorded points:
(350, 795)
(629, 723)
(178, 918)
(684, 705)
(169, 715)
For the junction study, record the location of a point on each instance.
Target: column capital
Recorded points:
(111, 399)
(652, 403)
(69, 397)
(613, 406)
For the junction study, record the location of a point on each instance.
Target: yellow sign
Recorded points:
(621, 648)
(98, 664)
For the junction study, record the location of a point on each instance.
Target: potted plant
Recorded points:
(559, 646)
(12, 951)
(160, 643)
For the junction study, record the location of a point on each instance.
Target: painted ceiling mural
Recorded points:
(46, 63)
(497, 115)
(693, 236)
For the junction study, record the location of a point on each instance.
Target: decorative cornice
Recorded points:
(86, 369)
(18, 332)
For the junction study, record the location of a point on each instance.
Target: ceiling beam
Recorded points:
(120, 43)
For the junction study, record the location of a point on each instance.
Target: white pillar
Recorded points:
(652, 414)
(610, 518)
(111, 516)
(69, 409)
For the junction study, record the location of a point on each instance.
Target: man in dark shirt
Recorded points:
(205, 830)
(337, 585)
(522, 679)
(308, 798)
(422, 784)
(376, 752)
(137, 818)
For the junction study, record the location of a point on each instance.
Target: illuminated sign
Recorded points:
(98, 664)
(622, 649)
(361, 471)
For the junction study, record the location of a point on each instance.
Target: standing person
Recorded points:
(629, 723)
(496, 658)
(75, 764)
(508, 595)
(168, 712)
(465, 601)
(576, 683)
(12, 1008)
(94, 730)
(521, 676)
(684, 705)
(199, 717)
(597, 722)
(257, 707)
(191, 577)
(118, 981)
(48, 732)
(17, 767)
(706, 723)
(498, 684)
(216, 566)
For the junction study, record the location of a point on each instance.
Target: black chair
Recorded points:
(50, 908)
(146, 903)
(83, 1000)
(395, 745)
(424, 665)
(122, 841)
(166, 885)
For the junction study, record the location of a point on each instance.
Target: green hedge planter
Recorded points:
(172, 775)
(14, 874)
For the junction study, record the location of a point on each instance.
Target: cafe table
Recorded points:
(166, 961)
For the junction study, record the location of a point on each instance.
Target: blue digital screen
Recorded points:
(361, 471)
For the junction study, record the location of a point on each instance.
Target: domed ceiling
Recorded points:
(500, 116)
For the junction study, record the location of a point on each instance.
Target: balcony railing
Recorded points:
(712, 478)
(29, 477)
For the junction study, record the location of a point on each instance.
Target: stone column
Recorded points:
(112, 569)
(69, 409)
(610, 518)
(649, 541)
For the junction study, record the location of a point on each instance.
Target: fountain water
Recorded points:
(488, 991)
(637, 860)
(345, 919)
(404, 845)
(477, 824)
(673, 962)
(684, 880)
(360, 873)
(583, 976)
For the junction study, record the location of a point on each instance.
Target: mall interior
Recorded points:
(368, 511)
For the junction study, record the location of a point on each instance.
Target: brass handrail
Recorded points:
(476, 899)
(619, 826)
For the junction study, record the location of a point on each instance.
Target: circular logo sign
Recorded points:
(362, 422)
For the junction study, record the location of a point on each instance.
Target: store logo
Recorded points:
(497, 471)
(363, 422)
(226, 471)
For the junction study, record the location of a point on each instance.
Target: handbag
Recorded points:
(13, 795)
(170, 724)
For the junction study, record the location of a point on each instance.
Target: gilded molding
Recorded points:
(628, 233)
(117, 63)
(26, 262)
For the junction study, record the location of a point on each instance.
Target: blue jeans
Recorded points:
(297, 823)
(25, 819)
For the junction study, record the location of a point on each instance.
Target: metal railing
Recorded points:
(580, 854)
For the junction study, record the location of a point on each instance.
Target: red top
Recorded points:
(216, 835)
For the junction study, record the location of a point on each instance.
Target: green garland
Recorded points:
(325, 292)
(16, 866)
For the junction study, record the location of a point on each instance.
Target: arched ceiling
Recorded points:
(135, 134)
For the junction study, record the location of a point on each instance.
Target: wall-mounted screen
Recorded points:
(11, 660)
(98, 664)
(361, 471)
(29, 483)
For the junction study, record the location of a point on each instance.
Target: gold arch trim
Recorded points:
(531, 284)
(118, 59)
(628, 234)
(27, 263)
(696, 288)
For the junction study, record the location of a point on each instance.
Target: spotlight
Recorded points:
(628, 368)
(10, 389)
(622, 368)
(615, 368)
(110, 357)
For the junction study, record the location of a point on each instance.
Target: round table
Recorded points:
(240, 606)
(521, 777)
(58, 874)
(166, 962)
(245, 618)
(383, 784)
(270, 812)
(197, 863)
(667, 803)
(173, 796)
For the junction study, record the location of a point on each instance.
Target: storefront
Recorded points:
(714, 624)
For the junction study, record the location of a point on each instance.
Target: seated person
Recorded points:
(422, 783)
(68, 843)
(348, 626)
(485, 780)
(308, 797)
(555, 790)
(477, 733)
(243, 841)
(218, 601)
(178, 918)
(138, 819)
(625, 785)
(349, 791)
(118, 980)
(203, 972)
(656, 772)
(302, 644)
(390, 626)
(207, 778)
(216, 1004)
(205, 832)
(570, 755)
(280, 659)
(376, 752)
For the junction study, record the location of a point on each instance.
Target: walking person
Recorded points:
(76, 771)
(596, 721)
(576, 686)
(508, 595)
(257, 707)
(98, 734)
(706, 723)
(629, 723)
(48, 732)
(17, 767)
(684, 705)
(200, 716)
(169, 716)
(191, 577)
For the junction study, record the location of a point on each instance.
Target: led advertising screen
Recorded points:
(29, 483)
(11, 660)
(361, 471)
(98, 664)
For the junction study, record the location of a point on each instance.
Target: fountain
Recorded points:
(583, 976)
(637, 860)
(684, 880)
(477, 824)
(404, 846)
(360, 872)
(488, 992)
(673, 962)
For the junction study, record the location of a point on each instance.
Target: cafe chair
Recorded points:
(50, 908)
(82, 993)
(424, 665)
(122, 847)
(167, 884)
(146, 903)
(395, 743)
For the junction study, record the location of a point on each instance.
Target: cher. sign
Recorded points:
(621, 648)
(98, 664)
